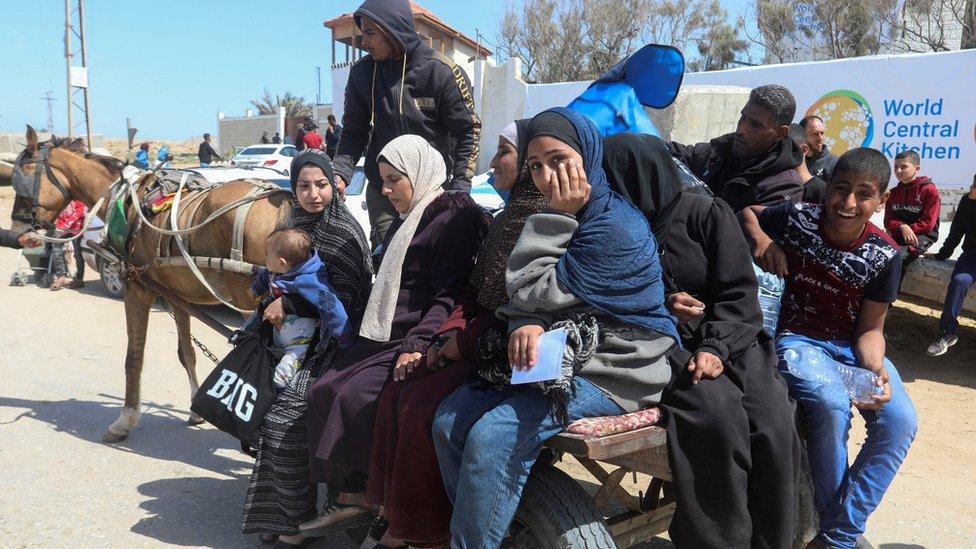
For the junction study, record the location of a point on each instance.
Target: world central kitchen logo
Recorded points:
(909, 123)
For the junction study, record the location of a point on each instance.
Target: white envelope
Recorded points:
(548, 364)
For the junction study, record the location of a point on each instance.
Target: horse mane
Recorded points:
(77, 145)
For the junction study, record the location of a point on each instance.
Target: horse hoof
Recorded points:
(110, 437)
(194, 419)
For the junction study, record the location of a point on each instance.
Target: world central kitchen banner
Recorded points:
(923, 102)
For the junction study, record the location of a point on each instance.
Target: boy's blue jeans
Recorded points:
(487, 442)
(845, 496)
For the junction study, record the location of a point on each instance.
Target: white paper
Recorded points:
(549, 362)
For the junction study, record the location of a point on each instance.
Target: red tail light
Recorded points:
(270, 162)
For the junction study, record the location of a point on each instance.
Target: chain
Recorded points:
(203, 348)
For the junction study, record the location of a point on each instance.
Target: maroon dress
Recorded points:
(343, 402)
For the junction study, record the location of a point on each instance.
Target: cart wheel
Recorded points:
(555, 513)
(111, 278)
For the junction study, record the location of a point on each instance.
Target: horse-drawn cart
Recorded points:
(556, 511)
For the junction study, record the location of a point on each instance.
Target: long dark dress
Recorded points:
(343, 402)
(734, 448)
(279, 495)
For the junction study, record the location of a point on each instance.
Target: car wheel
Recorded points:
(111, 276)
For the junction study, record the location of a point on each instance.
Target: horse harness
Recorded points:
(29, 188)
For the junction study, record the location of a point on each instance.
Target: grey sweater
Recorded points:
(630, 364)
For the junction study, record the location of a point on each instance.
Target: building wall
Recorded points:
(245, 130)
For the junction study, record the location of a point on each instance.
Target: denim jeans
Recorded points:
(487, 441)
(845, 496)
(962, 279)
(770, 296)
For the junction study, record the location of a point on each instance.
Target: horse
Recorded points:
(65, 171)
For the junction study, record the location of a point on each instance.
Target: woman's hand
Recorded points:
(340, 184)
(705, 365)
(523, 347)
(405, 364)
(684, 307)
(444, 351)
(570, 190)
(275, 313)
(884, 397)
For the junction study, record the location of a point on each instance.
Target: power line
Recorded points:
(50, 112)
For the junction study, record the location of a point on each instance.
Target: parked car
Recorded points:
(223, 174)
(266, 155)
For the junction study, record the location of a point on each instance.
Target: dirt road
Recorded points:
(61, 357)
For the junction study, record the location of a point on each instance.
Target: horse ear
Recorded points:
(31, 139)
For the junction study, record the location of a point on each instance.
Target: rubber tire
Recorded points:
(559, 514)
(103, 268)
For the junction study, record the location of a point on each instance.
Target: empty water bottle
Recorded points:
(809, 363)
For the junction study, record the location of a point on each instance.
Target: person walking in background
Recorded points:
(403, 86)
(264, 138)
(206, 152)
(163, 157)
(313, 140)
(912, 210)
(963, 225)
(142, 156)
(332, 134)
(819, 160)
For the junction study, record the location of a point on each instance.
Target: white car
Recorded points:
(271, 155)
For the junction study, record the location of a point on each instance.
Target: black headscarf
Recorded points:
(338, 238)
(553, 124)
(641, 170)
(488, 276)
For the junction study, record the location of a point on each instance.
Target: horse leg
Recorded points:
(138, 301)
(188, 357)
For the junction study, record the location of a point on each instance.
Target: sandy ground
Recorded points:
(61, 357)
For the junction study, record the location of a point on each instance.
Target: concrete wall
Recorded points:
(241, 131)
(13, 143)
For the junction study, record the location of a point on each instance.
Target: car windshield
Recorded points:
(357, 183)
(257, 150)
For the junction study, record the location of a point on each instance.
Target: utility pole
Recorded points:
(318, 86)
(50, 112)
(74, 43)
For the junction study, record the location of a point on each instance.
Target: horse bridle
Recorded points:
(29, 188)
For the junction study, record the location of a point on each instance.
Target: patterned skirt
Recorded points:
(280, 495)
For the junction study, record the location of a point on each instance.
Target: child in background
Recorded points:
(841, 273)
(296, 274)
(963, 224)
(912, 210)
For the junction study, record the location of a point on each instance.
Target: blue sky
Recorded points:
(170, 66)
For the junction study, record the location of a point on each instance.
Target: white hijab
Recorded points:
(412, 156)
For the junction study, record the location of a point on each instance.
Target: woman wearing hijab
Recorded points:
(279, 496)
(562, 273)
(734, 448)
(427, 258)
(403, 467)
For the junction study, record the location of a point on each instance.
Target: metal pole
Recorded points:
(67, 60)
(318, 88)
(84, 63)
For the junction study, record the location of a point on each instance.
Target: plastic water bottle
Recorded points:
(859, 383)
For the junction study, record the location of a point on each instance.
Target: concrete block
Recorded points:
(700, 113)
(929, 278)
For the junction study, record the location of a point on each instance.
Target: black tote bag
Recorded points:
(237, 395)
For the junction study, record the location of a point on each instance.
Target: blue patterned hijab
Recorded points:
(612, 262)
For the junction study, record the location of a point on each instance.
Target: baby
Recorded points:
(296, 274)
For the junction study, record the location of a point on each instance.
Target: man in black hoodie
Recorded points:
(819, 160)
(403, 87)
(754, 165)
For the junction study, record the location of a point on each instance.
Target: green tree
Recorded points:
(294, 105)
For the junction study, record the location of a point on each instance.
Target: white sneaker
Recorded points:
(940, 347)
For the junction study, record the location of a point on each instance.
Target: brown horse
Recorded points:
(87, 177)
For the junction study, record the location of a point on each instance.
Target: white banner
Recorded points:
(923, 102)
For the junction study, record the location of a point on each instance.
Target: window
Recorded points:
(257, 151)
(355, 187)
(289, 151)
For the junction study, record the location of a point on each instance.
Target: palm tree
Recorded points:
(294, 105)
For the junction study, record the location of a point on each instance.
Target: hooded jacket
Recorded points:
(915, 204)
(822, 165)
(765, 181)
(422, 92)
